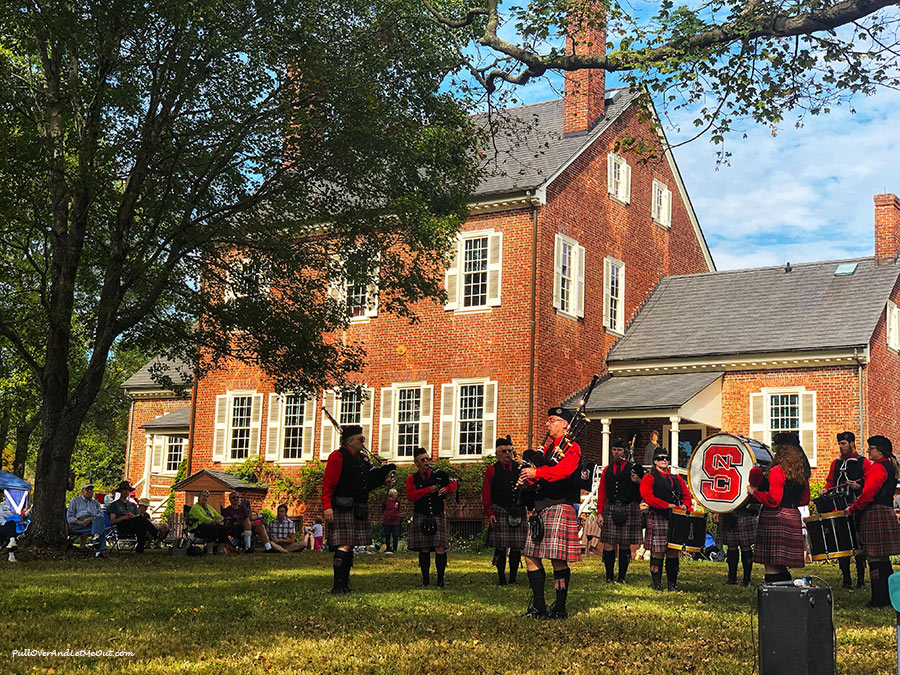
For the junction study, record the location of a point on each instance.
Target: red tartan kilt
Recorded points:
(656, 539)
(416, 541)
(501, 535)
(779, 538)
(742, 533)
(879, 531)
(622, 535)
(347, 530)
(560, 540)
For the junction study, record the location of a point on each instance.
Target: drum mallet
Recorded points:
(894, 591)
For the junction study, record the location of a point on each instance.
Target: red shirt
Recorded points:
(874, 478)
(390, 513)
(331, 477)
(656, 503)
(601, 489)
(414, 494)
(566, 465)
(486, 489)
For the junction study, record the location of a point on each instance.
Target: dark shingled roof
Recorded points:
(173, 420)
(230, 482)
(531, 145)
(178, 370)
(760, 310)
(645, 392)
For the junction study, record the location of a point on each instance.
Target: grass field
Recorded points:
(271, 614)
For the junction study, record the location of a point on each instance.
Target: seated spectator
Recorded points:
(84, 517)
(282, 532)
(239, 513)
(8, 520)
(317, 533)
(124, 516)
(161, 526)
(206, 522)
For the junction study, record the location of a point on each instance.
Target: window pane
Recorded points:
(565, 277)
(351, 409)
(409, 407)
(475, 262)
(784, 412)
(174, 453)
(613, 300)
(357, 300)
(471, 419)
(293, 427)
(240, 426)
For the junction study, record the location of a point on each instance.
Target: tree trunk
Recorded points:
(24, 430)
(48, 520)
(4, 430)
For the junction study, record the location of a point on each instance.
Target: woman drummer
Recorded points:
(878, 528)
(779, 536)
(662, 491)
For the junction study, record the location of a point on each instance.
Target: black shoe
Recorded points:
(860, 585)
(426, 582)
(338, 590)
(512, 581)
(877, 605)
(746, 583)
(731, 582)
(620, 581)
(557, 613)
(847, 585)
(673, 588)
(656, 586)
(249, 550)
(535, 613)
(440, 583)
(503, 582)
(609, 580)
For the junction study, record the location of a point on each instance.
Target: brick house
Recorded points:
(812, 348)
(566, 239)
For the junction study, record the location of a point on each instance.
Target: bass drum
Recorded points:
(719, 470)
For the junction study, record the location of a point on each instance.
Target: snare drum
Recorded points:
(687, 531)
(834, 501)
(831, 535)
(719, 471)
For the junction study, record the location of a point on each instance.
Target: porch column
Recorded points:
(673, 440)
(605, 422)
(148, 460)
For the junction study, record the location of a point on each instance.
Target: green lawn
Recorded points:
(266, 613)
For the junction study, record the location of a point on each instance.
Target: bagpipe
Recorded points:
(380, 469)
(443, 479)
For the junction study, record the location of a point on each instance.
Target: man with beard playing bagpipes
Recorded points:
(348, 479)
(506, 518)
(662, 491)
(618, 509)
(845, 477)
(426, 489)
(878, 527)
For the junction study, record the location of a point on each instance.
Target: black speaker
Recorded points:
(796, 630)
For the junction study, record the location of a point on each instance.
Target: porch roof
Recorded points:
(217, 481)
(180, 419)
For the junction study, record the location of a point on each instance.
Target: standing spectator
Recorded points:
(390, 520)
(282, 532)
(84, 518)
(651, 447)
(318, 534)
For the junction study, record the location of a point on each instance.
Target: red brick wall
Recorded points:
(883, 383)
(837, 406)
(887, 226)
(146, 410)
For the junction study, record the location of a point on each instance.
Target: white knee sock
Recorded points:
(247, 535)
(268, 546)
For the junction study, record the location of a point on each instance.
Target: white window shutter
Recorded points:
(758, 417)
(309, 426)
(654, 203)
(329, 433)
(611, 174)
(451, 277)
(386, 423)
(494, 269)
(273, 427)
(620, 311)
(159, 450)
(557, 272)
(667, 208)
(425, 417)
(579, 281)
(808, 424)
(255, 423)
(626, 183)
(220, 435)
(448, 420)
(372, 293)
(489, 430)
(365, 417)
(606, 292)
(889, 323)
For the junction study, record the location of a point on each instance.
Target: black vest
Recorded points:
(354, 478)
(885, 494)
(503, 483)
(848, 469)
(564, 491)
(792, 493)
(620, 487)
(432, 505)
(669, 492)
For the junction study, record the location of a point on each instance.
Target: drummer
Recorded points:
(878, 528)
(662, 491)
(845, 476)
(779, 536)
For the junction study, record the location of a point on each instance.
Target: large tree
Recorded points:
(192, 176)
(726, 60)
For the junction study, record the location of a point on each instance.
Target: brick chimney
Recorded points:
(887, 226)
(585, 89)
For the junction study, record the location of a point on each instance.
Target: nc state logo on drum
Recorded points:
(719, 470)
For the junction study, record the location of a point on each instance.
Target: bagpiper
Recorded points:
(505, 516)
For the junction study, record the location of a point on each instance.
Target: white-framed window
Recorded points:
(291, 424)
(785, 409)
(661, 204)
(351, 407)
(359, 296)
(245, 277)
(618, 178)
(893, 326)
(473, 276)
(406, 418)
(237, 426)
(174, 453)
(614, 295)
(468, 418)
(568, 276)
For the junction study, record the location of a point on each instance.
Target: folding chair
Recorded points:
(114, 541)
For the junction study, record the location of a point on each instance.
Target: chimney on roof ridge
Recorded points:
(887, 226)
(585, 89)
